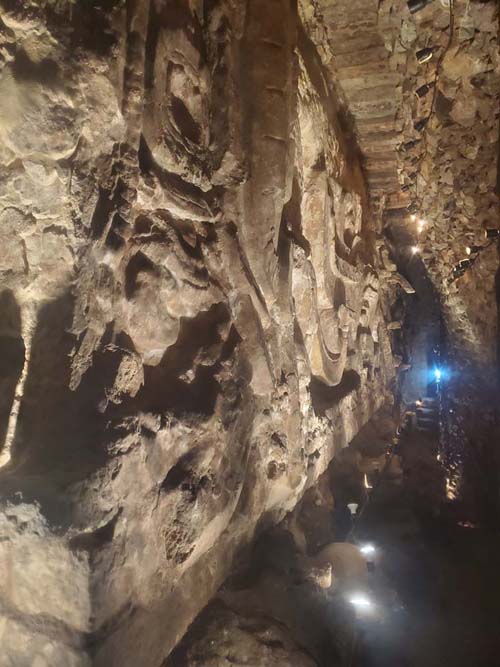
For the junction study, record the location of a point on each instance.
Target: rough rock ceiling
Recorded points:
(354, 40)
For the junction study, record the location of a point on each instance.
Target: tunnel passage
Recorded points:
(206, 220)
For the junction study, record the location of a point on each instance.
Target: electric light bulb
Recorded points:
(353, 508)
(361, 601)
(415, 249)
(367, 549)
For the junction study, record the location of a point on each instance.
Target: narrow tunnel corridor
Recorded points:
(436, 578)
(249, 333)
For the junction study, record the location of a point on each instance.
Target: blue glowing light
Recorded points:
(437, 374)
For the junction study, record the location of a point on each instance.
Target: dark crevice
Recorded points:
(153, 32)
(232, 230)
(292, 217)
(115, 238)
(166, 390)
(137, 266)
(12, 356)
(91, 541)
(324, 397)
(43, 72)
(186, 124)
(102, 212)
(207, 203)
(181, 473)
(59, 434)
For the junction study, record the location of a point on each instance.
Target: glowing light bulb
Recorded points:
(353, 508)
(451, 492)
(415, 250)
(361, 601)
(367, 549)
(437, 374)
(421, 224)
(413, 217)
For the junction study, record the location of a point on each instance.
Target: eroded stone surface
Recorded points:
(296, 579)
(230, 637)
(194, 295)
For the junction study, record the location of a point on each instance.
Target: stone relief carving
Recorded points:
(206, 330)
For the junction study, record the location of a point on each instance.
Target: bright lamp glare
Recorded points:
(360, 601)
(414, 250)
(367, 549)
(437, 374)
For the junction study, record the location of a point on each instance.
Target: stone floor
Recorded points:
(436, 584)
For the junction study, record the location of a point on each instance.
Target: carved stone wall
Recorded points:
(190, 304)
